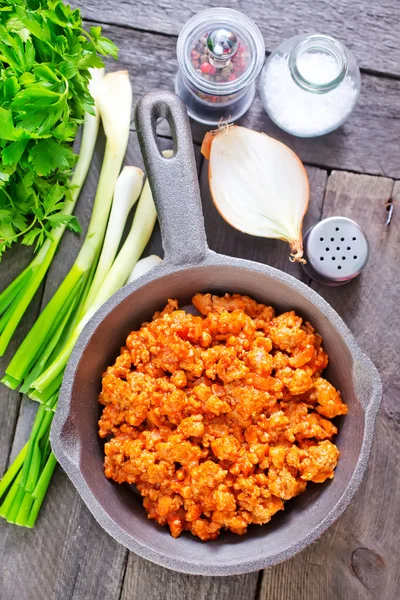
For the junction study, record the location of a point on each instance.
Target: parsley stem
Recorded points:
(27, 229)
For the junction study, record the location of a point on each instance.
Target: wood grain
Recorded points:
(358, 557)
(145, 580)
(367, 143)
(369, 29)
(67, 555)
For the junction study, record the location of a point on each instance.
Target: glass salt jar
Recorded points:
(310, 85)
(220, 53)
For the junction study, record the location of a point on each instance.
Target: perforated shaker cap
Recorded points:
(336, 250)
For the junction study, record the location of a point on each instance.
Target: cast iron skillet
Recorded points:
(190, 267)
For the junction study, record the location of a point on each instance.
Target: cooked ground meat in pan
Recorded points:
(218, 419)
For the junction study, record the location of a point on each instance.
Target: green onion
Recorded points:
(143, 266)
(138, 237)
(40, 361)
(126, 194)
(114, 101)
(27, 480)
(15, 299)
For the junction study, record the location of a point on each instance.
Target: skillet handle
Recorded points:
(173, 181)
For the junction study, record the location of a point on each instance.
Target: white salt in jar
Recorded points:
(310, 85)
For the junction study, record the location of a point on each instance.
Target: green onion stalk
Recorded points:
(24, 485)
(43, 386)
(15, 299)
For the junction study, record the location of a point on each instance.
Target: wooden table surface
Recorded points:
(353, 173)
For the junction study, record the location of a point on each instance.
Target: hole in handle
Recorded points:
(162, 125)
(163, 128)
(162, 131)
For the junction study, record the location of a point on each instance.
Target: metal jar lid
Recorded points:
(223, 36)
(222, 45)
(336, 251)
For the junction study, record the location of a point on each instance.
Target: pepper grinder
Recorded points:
(220, 53)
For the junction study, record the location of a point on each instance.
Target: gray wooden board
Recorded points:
(370, 29)
(358, 557)
(77, 560)
(145, 580)
(67, 555)
(366, 143)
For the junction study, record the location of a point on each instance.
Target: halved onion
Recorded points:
(258, 184)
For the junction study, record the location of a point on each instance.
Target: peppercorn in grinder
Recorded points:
(220, 53)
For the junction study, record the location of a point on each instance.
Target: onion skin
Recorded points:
(206, 144)
(297, 250)
(296, 245)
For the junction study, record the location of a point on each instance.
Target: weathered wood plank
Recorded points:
(67, 555)
(145, 580)
(358, 557)
(368, 142)
(368, 28)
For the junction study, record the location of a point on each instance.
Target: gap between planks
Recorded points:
(368, 30)
(365, 70)
(162, 133)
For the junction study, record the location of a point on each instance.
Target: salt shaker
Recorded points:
(220, 53)
(310, 85)
(336, 250)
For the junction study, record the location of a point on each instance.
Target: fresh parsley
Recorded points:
(45, 57)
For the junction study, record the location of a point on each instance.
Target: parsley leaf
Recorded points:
(48, 155)
(13, 152)
(45, 57)
(6, 124)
